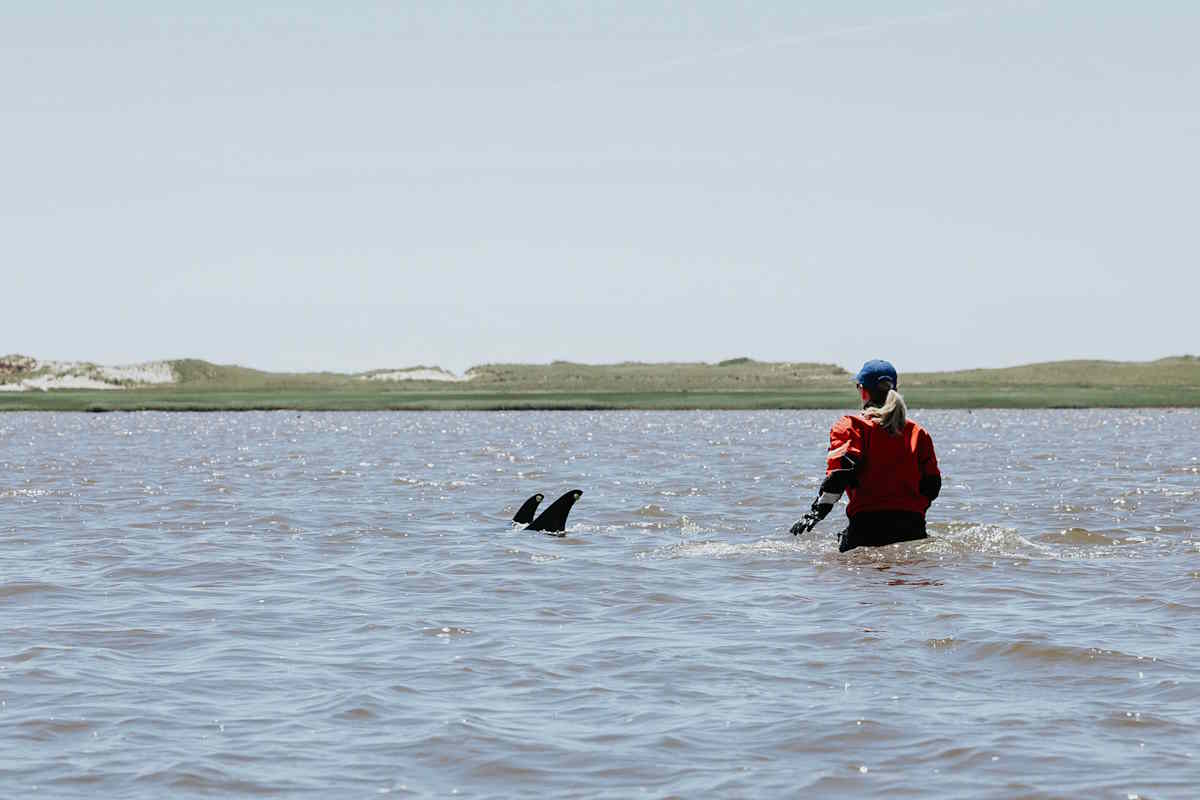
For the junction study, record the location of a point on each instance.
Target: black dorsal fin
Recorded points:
(525, 512)
(554, 518)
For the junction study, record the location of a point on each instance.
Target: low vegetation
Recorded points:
(739, 383)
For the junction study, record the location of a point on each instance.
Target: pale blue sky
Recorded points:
(348, 185)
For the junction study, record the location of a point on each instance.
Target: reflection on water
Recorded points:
(337, 605)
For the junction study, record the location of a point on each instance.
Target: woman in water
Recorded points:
(883, 461)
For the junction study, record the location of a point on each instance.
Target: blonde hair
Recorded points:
(887, 408)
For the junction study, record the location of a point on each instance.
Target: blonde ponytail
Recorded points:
(892, 413)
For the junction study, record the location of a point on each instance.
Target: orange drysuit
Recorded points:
(889, 472)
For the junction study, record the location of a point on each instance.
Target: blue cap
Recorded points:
(874, 371)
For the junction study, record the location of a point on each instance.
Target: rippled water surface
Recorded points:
(335, 605)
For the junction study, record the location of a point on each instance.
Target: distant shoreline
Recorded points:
(736, 384)
(329, 400)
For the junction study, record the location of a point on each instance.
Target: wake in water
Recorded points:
(959, 541)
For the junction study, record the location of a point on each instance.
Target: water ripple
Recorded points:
(336, 605)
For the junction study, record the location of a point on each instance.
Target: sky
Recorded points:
(356, 185)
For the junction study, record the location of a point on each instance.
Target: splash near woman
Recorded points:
(883, 461)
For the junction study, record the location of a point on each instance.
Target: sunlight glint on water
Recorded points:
(336, 605)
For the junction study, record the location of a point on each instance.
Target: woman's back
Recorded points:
(890, 466)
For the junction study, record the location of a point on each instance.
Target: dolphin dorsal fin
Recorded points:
(554, 518)
(525, 513)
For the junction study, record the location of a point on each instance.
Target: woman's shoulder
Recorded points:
(849, 422)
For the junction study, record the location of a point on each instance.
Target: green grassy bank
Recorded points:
(736, 384)
(335, 400)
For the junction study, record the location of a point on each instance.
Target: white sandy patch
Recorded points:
(414, 374)
(47, 382)
(150, 372)
(84, 375)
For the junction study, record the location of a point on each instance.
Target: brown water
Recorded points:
(335, 605)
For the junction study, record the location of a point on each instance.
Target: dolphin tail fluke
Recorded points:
(525, 513)
(554, 518)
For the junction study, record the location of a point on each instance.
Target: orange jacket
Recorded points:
(890, 468)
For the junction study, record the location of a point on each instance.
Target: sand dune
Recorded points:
(28, 374)
(414, 374)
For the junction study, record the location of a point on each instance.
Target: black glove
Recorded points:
(804, 524)
(834, 484)
(809, 521)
